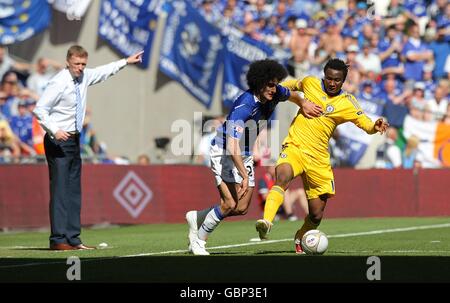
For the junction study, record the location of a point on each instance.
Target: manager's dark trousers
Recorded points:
(64, 167)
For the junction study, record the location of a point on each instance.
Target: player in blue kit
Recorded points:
(230, 150)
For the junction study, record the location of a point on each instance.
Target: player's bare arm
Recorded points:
(235, 152)
(381, 126)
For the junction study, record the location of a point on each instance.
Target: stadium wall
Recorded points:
(163, 193)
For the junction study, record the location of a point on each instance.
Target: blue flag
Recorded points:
(21, 20)
(129, 27)
(353, 142)
(240, 51)
(191, 51)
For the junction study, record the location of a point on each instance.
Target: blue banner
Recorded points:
(20, 20)
(129, 27)
(240, 51)
(353, 141)
(191, 51)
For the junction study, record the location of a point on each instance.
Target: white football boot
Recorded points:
(198, 247)
(191, 218)
(263, 228)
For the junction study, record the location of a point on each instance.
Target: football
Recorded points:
(314, 242)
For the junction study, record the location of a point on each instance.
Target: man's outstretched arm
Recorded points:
(136, 58)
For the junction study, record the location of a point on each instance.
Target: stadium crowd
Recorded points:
(21, 136)
(399, 65)
(399, 60)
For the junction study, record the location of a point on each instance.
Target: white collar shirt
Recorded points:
(56, 108)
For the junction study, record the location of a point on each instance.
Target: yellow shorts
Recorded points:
(318, 178)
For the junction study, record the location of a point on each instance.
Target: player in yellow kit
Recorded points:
(305, 149)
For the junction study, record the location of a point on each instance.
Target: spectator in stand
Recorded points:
(437, 9)
(415, 55)
(14, 93)
(332, 40)
(10, 86)
(394, 9)
(418, 101)
(361, 15)
(9, 148)
(45, 69)
(370, 101)
(209, 11)
(4, 112)
(389, 50)
(438, 105)
(388, 154)
(21, 125)
(445, 85)
(395, 108)
(353, 76)
(7, 63)
(443, 22)
(428, 81)
(441, 50)
(350, 31)
(37, 131)
(143, 159)
(409, 155)
(300, 39)
(299, 65)
(368, 60)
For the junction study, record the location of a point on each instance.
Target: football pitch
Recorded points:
(408, 250)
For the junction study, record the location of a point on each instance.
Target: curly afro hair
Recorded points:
(262, 72)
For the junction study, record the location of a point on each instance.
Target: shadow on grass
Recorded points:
(31, 248)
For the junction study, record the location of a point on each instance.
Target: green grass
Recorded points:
(158, 253)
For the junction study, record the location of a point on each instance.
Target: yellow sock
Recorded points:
(307, 225)
(273, 202)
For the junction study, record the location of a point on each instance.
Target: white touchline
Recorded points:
(364, 233)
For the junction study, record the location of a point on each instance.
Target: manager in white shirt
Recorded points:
(60, 111)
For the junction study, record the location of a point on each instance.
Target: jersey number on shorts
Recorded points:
(249, 170)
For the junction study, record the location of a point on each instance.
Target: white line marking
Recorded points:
(364, 233)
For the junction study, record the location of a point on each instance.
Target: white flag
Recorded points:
(75, 9)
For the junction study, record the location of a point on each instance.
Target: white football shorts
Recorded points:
(224, 169)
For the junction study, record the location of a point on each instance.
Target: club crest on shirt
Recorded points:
(283, 155)
(329, 109)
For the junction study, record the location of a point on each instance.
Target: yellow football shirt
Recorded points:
(311, 136)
